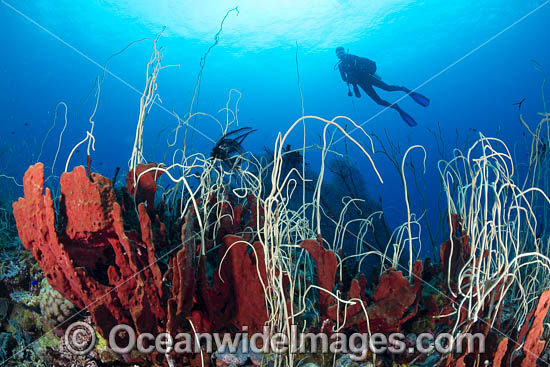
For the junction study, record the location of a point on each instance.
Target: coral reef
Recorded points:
(124, 282)
(20, 319)
(114, 258)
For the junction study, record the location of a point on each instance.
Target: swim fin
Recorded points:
(407, 118)
(420, 99)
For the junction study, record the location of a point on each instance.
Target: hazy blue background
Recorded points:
(411, 41)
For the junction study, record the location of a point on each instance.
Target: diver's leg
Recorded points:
(417, 97)
(382, 85)
(376, 98)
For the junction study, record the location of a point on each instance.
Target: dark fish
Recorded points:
(518, 104)
(229, 147)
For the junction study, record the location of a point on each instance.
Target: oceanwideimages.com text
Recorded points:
(80, 339)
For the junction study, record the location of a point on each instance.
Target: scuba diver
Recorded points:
(360, 71)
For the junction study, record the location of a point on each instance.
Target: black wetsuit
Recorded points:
(361, 71)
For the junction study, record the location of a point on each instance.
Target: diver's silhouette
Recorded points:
(519, 104)
(360, 71)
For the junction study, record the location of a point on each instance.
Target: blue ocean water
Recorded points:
(472, 59)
